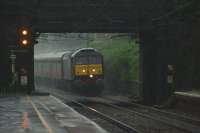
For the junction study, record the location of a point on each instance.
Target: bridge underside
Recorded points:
(76, 15)
(90, 15)
(94, 15)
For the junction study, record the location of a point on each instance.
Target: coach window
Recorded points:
(59, 69)
(50, 71)
(56, 70)
(54, 73)
(44, 69)
(40, 69)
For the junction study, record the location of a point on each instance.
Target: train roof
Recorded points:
(51, 56)
(82, 49)
(59, 55)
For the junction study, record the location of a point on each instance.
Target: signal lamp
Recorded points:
(24, 36)
(24, 32)
(24, 42)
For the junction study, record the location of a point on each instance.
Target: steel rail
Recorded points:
(163, 119)
(114, 121)
(162, 112)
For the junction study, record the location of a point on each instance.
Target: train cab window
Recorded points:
(81, 60)
(95, 60)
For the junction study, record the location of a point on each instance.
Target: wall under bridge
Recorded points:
(175, 44)
(16, 60)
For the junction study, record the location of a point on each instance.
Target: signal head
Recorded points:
(24, 32)
(24, 36)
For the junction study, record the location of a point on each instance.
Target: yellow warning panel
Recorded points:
(81, 70)
(95, 69)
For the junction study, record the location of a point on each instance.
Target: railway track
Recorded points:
(141, 120)
(174, 120)
(127, 128)
(155, 111)
(111, 119)
(133, 117)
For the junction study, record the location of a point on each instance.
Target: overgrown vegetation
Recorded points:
(121, 61)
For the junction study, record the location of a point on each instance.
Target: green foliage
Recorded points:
(121, 59)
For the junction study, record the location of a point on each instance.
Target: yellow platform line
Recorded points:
(45, 124)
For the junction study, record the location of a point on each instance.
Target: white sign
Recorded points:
(24, 80)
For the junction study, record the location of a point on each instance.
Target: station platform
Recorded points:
(188, 96)
(42, 114)
(188, 102)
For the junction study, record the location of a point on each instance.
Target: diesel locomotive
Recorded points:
(80, 71)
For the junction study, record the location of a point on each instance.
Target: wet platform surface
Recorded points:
(42, 114)
(194, 94)
(189, 96)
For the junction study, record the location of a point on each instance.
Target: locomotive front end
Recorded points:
(88, 72)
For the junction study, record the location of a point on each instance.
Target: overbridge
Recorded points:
(91, 15)
(76, 15)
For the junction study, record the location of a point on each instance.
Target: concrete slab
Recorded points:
(189, 96)
(42, 114)
(194, 94)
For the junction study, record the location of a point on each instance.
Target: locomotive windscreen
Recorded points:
(95, 60)
(80, 60)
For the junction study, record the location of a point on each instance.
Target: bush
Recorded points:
(121, 61)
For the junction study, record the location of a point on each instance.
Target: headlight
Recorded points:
(93, 70)
(84, 70)
(91, 76)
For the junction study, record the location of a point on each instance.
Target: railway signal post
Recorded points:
(25, 55)
(17, 37)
